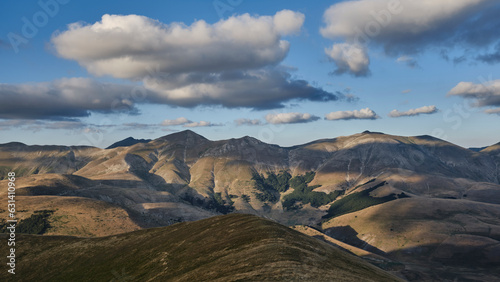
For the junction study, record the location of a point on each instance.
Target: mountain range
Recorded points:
(429, 206)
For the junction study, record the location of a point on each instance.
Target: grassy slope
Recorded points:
(225, 248)
(76, 216)
(430, 232)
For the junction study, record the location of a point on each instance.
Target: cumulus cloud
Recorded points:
(484, 95)
(284, 118)
(407, 27)
(288, 22)
(366, 113)
(414, 112)
(201, 124)
(264, 88)
(127, 46)
(177, 121)
(78, 97)
(349, 58)
(233, 62)
(246, 121)
(64, 98)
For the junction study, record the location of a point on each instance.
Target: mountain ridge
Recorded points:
(184, 134)
(325, 184)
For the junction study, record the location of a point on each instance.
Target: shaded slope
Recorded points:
(494, 152)
(224, 248)
(434, 233)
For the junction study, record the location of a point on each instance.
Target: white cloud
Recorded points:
(399, 23)
(201, 124)
(366, 113)
(288, 22)
(187, 123)
(349, 58)
(486, 94)
(406, 91)
(283, 118)
(407, 27)
(414, 112)
(246, 121)
(476, 90)
(177, 121)
(233, 62)
(130, 46)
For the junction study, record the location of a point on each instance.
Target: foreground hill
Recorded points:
(234, 247)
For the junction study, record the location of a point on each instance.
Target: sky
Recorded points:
(285, 72)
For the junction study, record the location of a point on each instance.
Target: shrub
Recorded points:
(214, 203)
(305, 194)
(220, 205)
(37, 223)
(245, 198)
(266, 188)
(359, 200)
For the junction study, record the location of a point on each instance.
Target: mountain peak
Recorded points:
(129, 141)
(13, 144)
(185, 136)
(372, 132)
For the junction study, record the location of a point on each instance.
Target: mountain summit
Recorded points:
(128, 142)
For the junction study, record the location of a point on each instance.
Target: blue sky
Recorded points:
(289, 72)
